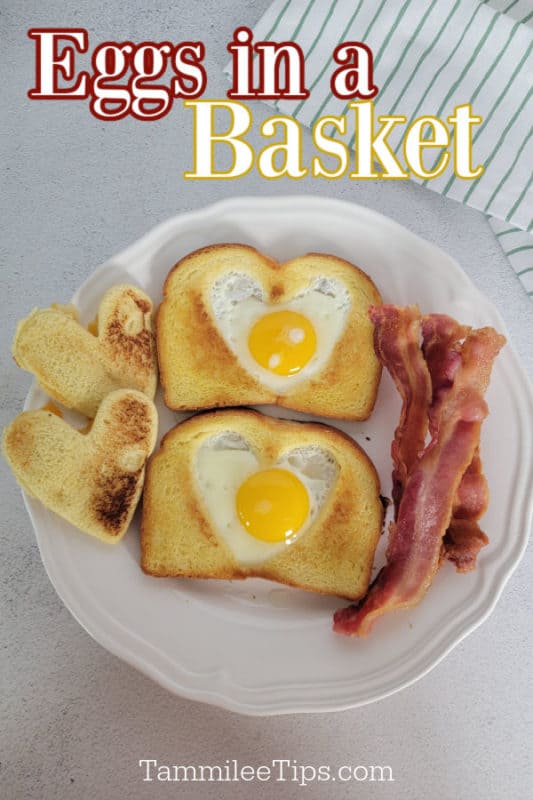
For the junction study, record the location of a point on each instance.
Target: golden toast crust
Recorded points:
(334, 556)
(199, 370)
(78, 369)
(92, 480)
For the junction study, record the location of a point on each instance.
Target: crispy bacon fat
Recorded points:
(441, 370)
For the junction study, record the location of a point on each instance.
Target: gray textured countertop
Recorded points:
(75, 720)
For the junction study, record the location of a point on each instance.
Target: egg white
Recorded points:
(224, 461)
(238, 302)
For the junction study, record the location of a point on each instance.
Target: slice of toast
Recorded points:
(93, 480)
(79, 369)
(190, 526)
(213, 296)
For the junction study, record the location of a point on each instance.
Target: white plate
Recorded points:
(253, 646)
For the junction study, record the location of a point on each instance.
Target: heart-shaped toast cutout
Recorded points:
(92, 480)
(238, 328)
(260, 507)
(227, 487)
(79, 369)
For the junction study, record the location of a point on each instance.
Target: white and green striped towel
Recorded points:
(429, 56)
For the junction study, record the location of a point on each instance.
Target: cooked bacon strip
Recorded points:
(425, 509)
(472, 496)
(441, 346)
(462, 543)
(464, 538)
(397, 344)
(442, 337)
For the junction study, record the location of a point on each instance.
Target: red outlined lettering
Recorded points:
(110, 62)
(150, 100)
(50, 63)
(272, 56)
(242, 52)
(189, 70)
(354, 78)
(113, 95)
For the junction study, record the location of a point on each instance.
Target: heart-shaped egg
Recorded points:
(233, 494)
(260, 508)
(284, 343)
(238, 328)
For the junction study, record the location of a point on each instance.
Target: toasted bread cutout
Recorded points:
(77, 368)
(182, 537)
(93, 480)
(204, 365)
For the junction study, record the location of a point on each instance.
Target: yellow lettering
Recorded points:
(372, 146)
(205, 138)
(462, 143)
(414, 143)
(290, 150)
(330, 147)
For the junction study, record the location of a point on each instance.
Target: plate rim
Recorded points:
(223, 696)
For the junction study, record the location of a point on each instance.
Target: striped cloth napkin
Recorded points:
(429, 56)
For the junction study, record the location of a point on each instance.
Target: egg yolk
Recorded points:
(282, 342)
(272, 505)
